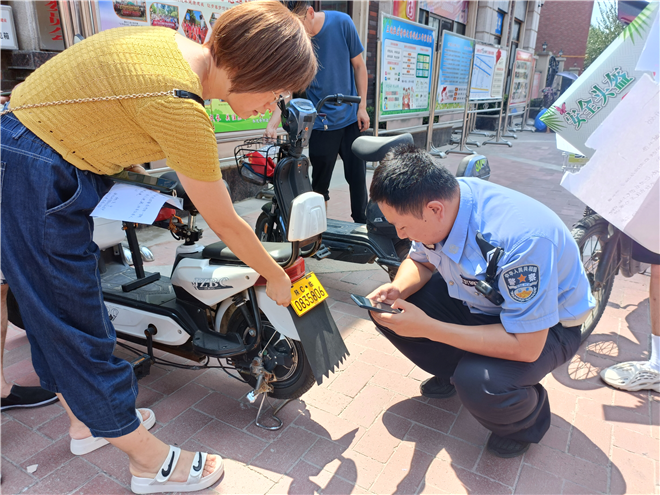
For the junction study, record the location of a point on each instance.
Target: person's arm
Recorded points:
(273, 123)
(486, 340)
(191, 149)
(361, 82)
(528, 283)
(214, 204)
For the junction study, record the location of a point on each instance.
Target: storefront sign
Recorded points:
(50, 30)
(7, 32)
(456, 10)
(522, 77)
(405, 9)
(406, 67)
(489, 70)
(455, 63)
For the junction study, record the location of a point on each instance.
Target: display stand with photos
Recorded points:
(404, 70)
(450, 84)
(486, 85)
(487, 89)
(521, 84)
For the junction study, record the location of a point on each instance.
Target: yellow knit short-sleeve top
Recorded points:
(106, 137)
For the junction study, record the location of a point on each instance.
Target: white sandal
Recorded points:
(632, 376)
(195, 481)
(84, 446)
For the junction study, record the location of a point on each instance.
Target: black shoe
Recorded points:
(505, 447)
(435, 388)
(27, 397)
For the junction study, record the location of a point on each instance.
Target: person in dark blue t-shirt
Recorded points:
(341, 70)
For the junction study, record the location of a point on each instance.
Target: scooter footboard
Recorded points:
(316, 330)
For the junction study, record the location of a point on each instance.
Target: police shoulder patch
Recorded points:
(522, 282)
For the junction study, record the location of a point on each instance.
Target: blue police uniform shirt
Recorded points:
(336, 44)
(540, 274)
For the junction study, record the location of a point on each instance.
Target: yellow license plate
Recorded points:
(307, 293)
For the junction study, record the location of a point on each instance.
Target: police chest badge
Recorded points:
(522, 282)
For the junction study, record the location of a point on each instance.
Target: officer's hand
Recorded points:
(363, 119)
(411, 322)
(387, 293)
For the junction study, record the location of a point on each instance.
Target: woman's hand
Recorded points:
(138, 169)
(279, 290)
(271, 129)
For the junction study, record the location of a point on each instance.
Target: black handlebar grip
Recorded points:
(352, 99)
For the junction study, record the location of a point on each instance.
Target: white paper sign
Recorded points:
(620, 181)
(133, 204)
(650, 57)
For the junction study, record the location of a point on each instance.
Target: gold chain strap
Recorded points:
(89, 100)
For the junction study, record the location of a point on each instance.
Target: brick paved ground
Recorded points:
(367, 429)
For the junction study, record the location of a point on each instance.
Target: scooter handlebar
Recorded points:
(337, 99)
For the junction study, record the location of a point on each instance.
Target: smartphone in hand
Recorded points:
(377, 307)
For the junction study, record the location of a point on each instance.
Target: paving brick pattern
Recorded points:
(367, 429)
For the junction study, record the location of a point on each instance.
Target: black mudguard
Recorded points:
(321, 340)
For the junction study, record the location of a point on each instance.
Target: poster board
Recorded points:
(488, 72)
(192, 19)
(407, 51)
(455, 63)
(522, 77)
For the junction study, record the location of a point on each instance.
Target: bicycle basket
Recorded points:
(256, 159)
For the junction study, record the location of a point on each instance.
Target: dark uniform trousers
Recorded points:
(504, 396)
(324, 146)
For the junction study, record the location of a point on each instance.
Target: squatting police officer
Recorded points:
(493, 349)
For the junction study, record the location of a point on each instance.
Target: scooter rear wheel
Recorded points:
(591, 235)
(286, 358)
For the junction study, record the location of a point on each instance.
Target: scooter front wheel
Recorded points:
(283, 357)
(265, 231)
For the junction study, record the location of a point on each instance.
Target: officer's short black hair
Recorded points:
(407, 179)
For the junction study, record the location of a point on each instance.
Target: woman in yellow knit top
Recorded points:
(54, 160)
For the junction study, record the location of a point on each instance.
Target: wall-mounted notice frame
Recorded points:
(192, 19)
(522, 77)
(405, 68)
(488, 73)
(455, 64)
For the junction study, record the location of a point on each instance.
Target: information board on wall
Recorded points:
(522, 77)
(455, 63)
(406, 67)
(488, 73)
(192, 19)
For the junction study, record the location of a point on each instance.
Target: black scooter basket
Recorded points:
(256, 159)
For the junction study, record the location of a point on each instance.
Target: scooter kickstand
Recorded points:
(279, 421)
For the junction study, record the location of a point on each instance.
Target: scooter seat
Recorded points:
(374, 149)
(218, 251)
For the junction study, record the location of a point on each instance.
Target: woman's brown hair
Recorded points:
(263, 47)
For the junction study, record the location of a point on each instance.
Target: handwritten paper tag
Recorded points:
(133, 204)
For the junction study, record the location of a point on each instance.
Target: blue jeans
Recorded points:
(51, 264)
